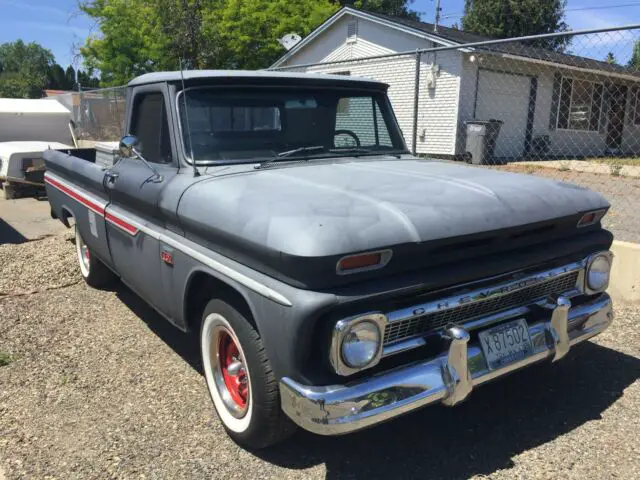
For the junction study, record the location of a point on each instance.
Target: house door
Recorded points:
(506, 97)
(617, 107)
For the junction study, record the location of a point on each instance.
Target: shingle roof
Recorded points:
(512, 48)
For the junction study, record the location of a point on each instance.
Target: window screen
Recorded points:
(151, 126)
(580, 105)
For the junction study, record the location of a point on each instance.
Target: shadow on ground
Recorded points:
(500, 420)
(8, 234)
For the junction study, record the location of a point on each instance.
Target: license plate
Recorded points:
(506, 343)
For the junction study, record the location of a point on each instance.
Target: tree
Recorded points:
(396, 8)
(203, 33)
(70, 75)
(634, 62)
(245, 33)
(25, 69)
(57, 79)
(87, 80)
(517, 18)
(611, 59)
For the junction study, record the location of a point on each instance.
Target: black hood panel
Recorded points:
(296, 222)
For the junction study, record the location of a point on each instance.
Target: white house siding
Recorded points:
(438, 107)
(438, 110)
(399, 73)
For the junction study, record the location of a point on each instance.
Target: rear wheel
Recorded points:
(94, 272)
(243, 388)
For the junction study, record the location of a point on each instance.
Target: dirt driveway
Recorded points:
(93, 384)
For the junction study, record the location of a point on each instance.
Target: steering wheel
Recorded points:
(348, 133)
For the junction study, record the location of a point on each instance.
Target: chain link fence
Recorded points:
(98, 114)
(524, 105)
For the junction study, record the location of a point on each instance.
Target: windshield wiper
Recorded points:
(289, 153)
(355, 150)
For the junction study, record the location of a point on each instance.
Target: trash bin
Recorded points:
(482, 136)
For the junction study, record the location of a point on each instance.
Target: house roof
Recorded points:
(452, 36)
(512, 48)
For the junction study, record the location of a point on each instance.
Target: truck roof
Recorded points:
(253, 76)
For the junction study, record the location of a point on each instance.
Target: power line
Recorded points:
(604, 7)
(579, 9)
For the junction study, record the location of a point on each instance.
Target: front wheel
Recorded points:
(243, 388)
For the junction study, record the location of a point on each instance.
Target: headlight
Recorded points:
(356, 343)
(598, 272)
(360, 344)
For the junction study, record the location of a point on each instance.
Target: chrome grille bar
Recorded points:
(471, 304)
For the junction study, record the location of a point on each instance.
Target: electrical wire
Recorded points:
(579, 9)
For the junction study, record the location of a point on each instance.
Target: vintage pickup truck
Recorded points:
(336, 281)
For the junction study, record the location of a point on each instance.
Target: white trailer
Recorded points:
(27, 128)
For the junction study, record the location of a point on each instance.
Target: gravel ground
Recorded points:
(622, 192)
(98, 386)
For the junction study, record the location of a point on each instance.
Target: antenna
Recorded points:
(196, 173)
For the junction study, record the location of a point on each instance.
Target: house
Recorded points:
(552, 104)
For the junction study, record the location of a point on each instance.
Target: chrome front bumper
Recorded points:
(448, 378)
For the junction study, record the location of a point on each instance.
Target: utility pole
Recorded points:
(438, 11)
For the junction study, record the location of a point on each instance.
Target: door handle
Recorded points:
(110, 178)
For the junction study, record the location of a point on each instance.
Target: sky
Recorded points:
(59, 26)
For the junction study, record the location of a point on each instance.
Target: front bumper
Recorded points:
(448, 378)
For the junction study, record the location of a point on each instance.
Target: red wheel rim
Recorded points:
(234, 372)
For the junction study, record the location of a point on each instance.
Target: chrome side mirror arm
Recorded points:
(128, 148)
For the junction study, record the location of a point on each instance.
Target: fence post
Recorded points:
(416, 103)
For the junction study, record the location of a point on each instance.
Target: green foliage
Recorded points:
(5, 359)
(397, 8)
(634, 62)
(611, 59)
(245, 33)
(517, 18)
(151, 35)
(25, 69)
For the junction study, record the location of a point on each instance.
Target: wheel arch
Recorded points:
(65, 215)
(203, 286)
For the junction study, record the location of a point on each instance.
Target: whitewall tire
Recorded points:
(241, 383)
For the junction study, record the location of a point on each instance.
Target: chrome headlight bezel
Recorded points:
(592, 260)
(340, 331)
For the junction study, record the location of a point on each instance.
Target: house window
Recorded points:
(580, 105)
(352, 31)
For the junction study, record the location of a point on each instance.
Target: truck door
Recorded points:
(134, 218)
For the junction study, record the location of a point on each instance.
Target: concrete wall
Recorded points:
(625, 275)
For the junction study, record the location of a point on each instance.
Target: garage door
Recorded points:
(505, 97)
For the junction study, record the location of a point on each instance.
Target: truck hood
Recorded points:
(331, 209)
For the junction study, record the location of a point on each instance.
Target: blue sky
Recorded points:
(58, 25)
(577, 19)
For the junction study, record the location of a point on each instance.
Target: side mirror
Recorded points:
(129, 147)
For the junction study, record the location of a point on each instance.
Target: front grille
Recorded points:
(404, 329)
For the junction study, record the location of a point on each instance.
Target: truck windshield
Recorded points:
(222, 126)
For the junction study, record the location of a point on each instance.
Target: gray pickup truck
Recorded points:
(336, 281)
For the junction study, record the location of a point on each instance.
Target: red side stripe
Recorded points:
(80, 198)
(110, 217)
(118, 222)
